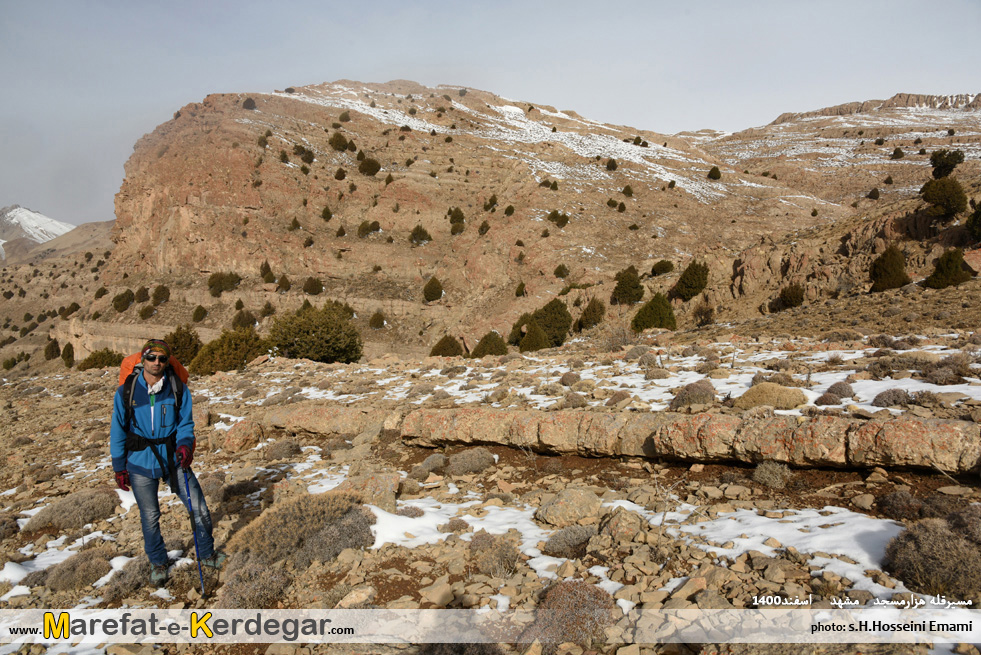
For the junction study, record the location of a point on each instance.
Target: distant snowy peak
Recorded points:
(960, 101)
(17, 222)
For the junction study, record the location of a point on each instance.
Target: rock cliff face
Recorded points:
(960, 101)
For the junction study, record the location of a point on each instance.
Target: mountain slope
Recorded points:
(17, 223)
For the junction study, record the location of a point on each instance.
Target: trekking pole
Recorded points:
(190, 510)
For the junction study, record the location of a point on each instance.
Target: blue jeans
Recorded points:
(145, 491)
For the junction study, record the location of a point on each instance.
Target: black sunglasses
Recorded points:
(156, 358)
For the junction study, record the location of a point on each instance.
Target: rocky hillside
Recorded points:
(329, 181)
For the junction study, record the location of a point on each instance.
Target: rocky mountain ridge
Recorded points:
(223, 187)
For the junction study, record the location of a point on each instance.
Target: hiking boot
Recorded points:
(216, 561)
(158, 574)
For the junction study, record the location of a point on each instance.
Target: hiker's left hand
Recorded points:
(184, 457)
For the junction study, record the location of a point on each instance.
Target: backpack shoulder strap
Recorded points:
(177, 386)
(129, 386)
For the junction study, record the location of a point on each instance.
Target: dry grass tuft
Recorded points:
(283, 449)
(473, 460)
(280, 531)
(76, 510)
(931, 559)
(697, 393)
(570, 542)
(494, 555)
(79, 570)
(770, 395)
(772, 474)
(571, 611)
(891, 398)
(252, 584)
(134, 575)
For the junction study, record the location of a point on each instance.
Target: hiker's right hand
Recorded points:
(122, 480)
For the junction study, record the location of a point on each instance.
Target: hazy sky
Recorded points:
(82, 81)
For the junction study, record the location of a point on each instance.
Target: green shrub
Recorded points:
(591, 316)
(628, 289)
(344, 117)
(122, 301)
(898, 153)
(338, 142)
(516, 333)
(340, 231)
(313, 286)
(948, 270)
(326, 214)
(161, 294)
(267, 310)
(101, 291)
(628, 191)
(433, 290)
(369, 167)
(294, 225)
(419, 235)
(456, 215)
(184, 343)
(873, 194)
(490, 344)
(519, 292)
(64, 312)
(888, 271)
(51, 350)
(611, 164)
(389, 179)
(283, 157)
(284, 284)
(218, 283)
(232, 350)
(672, 184)
(147, 311)
(880, 141)
(661, 267)
(509, 210)
(655, 313)
(792, 295)
(534, 339)
(555, 320)
(340, 174)
(457, 228)
(322, 335)
(944, 162)
(974, 224)
(446, 347)
(945, 196)
(105, 358)
(243, 319)
(491, 202)
(249, 103)
(715, 173)
(559, 218)
(263, 142)
(199, 313)
(561, 271)
(377, 320)
(484, 228)
(888, 180)
(692, 282)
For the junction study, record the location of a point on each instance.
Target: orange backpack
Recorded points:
(130, 362)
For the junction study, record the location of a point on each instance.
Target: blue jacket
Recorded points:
(164, 423)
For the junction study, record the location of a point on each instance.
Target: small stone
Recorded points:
(863, 501)
(955, 491)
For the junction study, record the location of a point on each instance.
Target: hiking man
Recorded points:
(152, 433)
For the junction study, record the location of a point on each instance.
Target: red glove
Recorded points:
(184, 456)
(122, 480)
